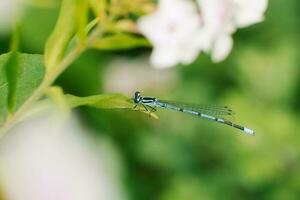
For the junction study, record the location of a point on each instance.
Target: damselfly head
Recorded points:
(137, 97)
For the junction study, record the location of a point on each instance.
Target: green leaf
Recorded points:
(99, 8)
(120, 42)
(12, 69)
(63, 32)
(105, 101)
(82, 8)
(29, 75)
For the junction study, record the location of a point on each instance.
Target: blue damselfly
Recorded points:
(207, 112)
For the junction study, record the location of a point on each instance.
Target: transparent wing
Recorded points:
(222, 111)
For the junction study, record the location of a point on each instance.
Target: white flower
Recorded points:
(248, 12)
(173, 30)
(178, 31)
(221, 18)
(44, 160)
(9, 11)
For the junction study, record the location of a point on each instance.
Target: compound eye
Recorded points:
(137, 93)
(137, 97)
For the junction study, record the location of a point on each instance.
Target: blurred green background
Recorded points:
(182, 157)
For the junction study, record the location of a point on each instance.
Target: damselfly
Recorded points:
(207, 112)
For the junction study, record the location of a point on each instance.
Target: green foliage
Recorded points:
(12, 69)
(20, 84)
(62, 34)
(105, 101)
(120, 42)
(66, 27)
(73, 34)
(3, 87)
(82, 8)
(99, 8)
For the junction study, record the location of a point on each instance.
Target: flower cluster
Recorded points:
(180, 29)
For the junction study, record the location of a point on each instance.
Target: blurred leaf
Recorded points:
(82, 7)
(12, 69)
(120, 42)
(99, 8)
(62, 34)
(125, 25)
(3, 87)
(29, 76)
(123, 8)
(105, 101)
